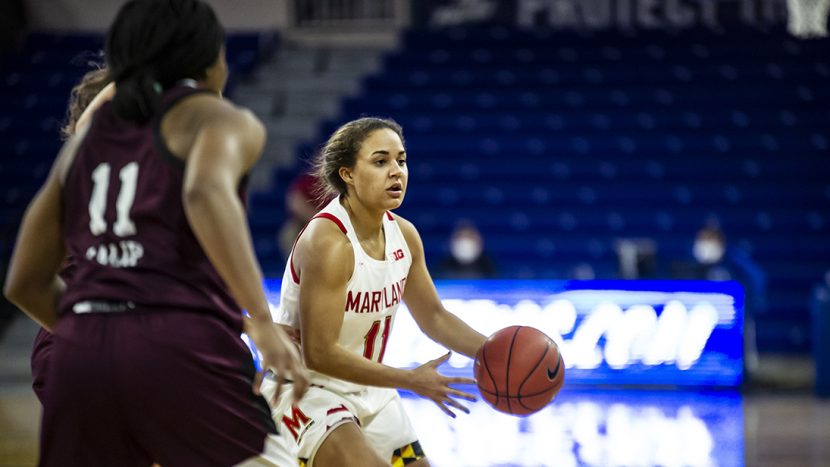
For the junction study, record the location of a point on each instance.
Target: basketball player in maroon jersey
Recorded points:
(147, 364)
(94, 88)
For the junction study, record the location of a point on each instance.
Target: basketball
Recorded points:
(519, 370)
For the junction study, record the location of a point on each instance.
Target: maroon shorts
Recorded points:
(135, 388)
(41, 351)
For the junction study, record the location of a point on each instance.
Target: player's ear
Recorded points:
(346, 174)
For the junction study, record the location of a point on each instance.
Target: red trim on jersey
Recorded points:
(341, 408)
(322, 215)
(291, 257)
(293, 273)
(332, 218)
(389, 215)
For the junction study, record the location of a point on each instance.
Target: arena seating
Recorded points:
(34, 88)
(558, 143)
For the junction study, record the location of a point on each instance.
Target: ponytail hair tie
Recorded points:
(157, 87)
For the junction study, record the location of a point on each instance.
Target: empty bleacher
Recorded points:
(35, 83)
(557, 144)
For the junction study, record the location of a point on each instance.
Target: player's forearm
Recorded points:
(218, 221)
(448, 330)
(32, 282)
(339, 363)
(38, 301)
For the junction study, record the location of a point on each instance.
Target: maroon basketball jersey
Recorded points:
(126, 229)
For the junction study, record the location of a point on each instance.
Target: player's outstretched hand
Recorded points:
(279, 355)
(427, 382)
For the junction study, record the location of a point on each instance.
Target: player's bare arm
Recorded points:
(32, 282)
(426, 308)
(223, 150)
(226, 146)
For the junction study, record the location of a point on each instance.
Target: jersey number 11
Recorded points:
(123, 226)
(369, 339)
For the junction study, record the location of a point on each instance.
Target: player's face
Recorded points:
(380, 174)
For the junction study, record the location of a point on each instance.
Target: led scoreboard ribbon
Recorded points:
(679, 333)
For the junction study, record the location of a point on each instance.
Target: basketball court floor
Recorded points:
(584, 426)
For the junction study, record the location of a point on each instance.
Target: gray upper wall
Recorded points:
(96, 15)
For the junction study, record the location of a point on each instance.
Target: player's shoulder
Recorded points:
(324, 250)
(406, 226)
(325, 237)
(213, 111)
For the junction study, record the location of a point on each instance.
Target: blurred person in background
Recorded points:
(713, 260)
(467, 257)
(302, 201)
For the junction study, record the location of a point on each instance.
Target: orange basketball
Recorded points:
(519, 370)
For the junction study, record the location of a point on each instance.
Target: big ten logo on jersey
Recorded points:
(398, 255)
(125, 253)
(298, 422)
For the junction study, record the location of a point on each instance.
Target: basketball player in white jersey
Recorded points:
(348, 272)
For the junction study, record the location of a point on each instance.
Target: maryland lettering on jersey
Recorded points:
(376, 300)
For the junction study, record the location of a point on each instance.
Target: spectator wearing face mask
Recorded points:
(708, 250)
(467, 258)
(715, 261)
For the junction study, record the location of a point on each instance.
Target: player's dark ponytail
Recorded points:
(138, 96)
(152, 44)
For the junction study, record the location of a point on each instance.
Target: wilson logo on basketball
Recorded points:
(398, 255)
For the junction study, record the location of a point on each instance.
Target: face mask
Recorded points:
(708, 251)
(465, 250)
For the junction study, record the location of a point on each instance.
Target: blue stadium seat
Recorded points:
(556, 143)
(34, 89)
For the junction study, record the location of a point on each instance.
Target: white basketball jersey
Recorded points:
(373, 293)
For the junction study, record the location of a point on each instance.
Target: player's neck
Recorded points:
(367, 223)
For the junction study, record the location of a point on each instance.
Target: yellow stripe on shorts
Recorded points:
(407, 454)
